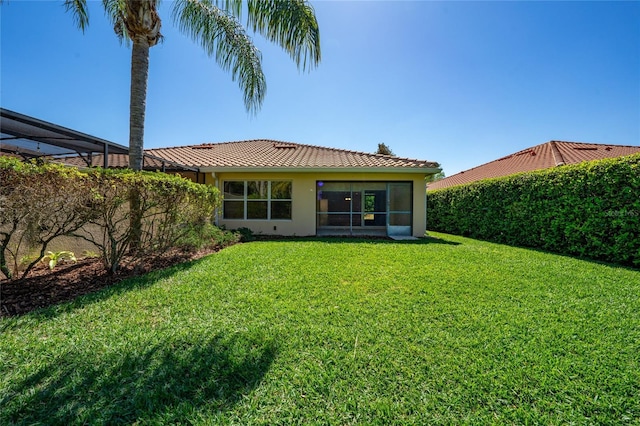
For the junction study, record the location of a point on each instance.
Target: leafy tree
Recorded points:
(215, 25)
(384, 149)
(436, 177)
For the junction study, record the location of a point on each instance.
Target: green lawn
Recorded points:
(447, 330)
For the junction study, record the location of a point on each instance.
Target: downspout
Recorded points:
(216, 218)
(426, 212)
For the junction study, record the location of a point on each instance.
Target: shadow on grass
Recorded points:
(609, 264)
(625, 266)
(109, 290)
(168, 382)
(360, 239)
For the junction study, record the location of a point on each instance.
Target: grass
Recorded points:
(447, 330)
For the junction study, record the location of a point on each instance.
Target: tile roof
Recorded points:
(269, 154)
(543, 156)
(118, 161)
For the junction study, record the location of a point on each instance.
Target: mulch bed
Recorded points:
(44, 287)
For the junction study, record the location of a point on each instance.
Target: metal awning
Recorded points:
(29, 137)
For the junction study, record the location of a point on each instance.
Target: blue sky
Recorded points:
(461, 83)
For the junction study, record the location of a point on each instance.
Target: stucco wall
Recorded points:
(303, 214)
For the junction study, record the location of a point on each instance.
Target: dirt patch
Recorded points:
(44, 287)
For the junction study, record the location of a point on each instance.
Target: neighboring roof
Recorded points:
(273, 155)
(30, 137)
(543, 156)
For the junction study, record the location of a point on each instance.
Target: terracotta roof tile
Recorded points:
(543, 156)
(116, 161)
(264, 154)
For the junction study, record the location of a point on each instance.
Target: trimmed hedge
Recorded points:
(591, 209)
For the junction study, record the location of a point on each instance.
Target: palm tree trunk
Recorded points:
(137, 107)
(138, 101)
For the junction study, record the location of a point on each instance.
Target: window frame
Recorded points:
(269, 200)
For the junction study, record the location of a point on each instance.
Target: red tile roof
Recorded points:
(543, 156)
(269, 154)
(118, 161)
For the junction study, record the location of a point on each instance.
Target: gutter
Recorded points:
(398, 170)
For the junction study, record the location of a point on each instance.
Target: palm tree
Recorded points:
(215, 25)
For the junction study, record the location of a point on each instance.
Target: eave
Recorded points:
(398, 170)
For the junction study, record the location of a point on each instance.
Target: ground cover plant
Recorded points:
(446, 330)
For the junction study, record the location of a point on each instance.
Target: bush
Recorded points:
(196, 238)
(168, 208)
(245, 234)
(40, 202)
(590, 209)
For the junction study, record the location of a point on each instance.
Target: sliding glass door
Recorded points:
(363, 208)
(400, 202)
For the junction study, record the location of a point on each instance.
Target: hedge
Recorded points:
(591, 210)
(41, 202)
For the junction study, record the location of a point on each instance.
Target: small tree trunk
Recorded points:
(4, 268)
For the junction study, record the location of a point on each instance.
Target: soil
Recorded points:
(44, 287)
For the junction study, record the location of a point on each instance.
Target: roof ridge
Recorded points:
(595, 143)
(506, 157)
(556, 154)
(203, 144)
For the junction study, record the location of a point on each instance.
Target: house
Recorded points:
(271, 187)
(543, 156)
(284, 188)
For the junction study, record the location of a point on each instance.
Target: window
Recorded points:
(257, 200)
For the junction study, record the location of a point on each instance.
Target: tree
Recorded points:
(384, 149)
(436, 177)
(215, 25)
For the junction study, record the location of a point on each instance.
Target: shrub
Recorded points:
(196, 237)
(38, 204)
(169, 207)
(246, 234)
(590, 209)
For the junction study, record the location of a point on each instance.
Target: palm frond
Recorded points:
(222, 36)
(78, 9)
(290, 23)
(233, 7)
(114, 9)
